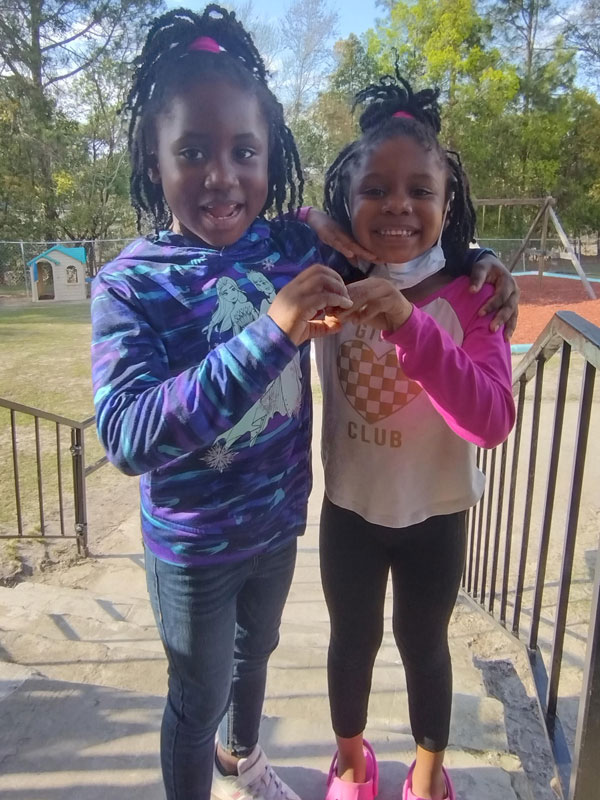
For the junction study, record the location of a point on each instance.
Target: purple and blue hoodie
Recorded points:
(201, 393)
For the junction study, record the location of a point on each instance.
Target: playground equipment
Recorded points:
(58, 274)
(546, 213)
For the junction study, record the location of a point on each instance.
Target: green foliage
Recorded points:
(435, 41)
(54, 180)
(321, 132)
(354, 68)
(93, 195)
(582, 32)
(328, 124)
(578, 193)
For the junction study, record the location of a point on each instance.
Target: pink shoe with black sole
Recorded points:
(408, 794)
(338, 789)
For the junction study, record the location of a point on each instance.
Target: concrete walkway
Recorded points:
(82, 679)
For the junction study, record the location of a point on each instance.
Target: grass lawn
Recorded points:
(45, 357)
(45, 363)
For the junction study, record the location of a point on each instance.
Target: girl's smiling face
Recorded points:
(211, 158)
(397, 199)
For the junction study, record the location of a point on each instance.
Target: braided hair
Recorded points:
(422, 122)
(166, 65)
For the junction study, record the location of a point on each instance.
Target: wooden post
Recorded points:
(25, 270)
(542, 266)
(521, 249)
(569, 248)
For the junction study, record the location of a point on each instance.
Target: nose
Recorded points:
(398, 203)
(220, 175)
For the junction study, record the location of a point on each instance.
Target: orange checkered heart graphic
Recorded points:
(376, 386)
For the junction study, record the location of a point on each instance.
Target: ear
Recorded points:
(153, 168)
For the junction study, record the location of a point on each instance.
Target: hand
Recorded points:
(330, 233)
(506, 295)
(297, 305)
(378, 302)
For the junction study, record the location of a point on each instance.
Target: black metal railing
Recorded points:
(36, 515)
(499, 565)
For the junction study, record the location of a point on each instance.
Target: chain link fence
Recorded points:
(15, 274)
(557, 259)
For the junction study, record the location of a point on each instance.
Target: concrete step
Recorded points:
(12, 676)
(77, 741)
(32, 596)
(71, 626)
(70, 635)
(120, 666)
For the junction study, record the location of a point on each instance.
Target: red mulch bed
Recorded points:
(540, 299)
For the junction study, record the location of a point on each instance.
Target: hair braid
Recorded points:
(337, 178)
(460, 230)
(393, 93)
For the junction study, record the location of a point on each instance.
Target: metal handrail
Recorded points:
(565, 326)
(37, 412)
(568, 332)
(80, 471)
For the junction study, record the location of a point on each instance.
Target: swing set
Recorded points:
(545, 215)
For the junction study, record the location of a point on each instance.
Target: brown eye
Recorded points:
(244, 153)
(192, 154)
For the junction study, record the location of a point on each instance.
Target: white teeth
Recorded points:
(402, 233)
(230, 213)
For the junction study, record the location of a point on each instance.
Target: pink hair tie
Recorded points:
(403, 114)
(205, 43)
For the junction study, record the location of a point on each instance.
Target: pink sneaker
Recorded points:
(338, 789)
(407, 792)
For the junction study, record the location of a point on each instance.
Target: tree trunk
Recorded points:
(42, 108)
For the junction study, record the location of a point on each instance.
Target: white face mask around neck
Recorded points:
(411, 273)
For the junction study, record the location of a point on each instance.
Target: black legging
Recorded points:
(426, 561)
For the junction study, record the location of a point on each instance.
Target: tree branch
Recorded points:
(16, 40)
(73, 38)
(10, 64)
(85, 64)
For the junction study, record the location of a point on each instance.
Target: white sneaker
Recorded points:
(256, 780)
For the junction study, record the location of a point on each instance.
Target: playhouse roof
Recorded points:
(77, 253)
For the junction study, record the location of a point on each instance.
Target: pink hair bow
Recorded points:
(205, 43)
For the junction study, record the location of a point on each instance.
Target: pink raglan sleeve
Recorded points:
(470, 384)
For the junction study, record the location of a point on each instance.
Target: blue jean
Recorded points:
(219, 624)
